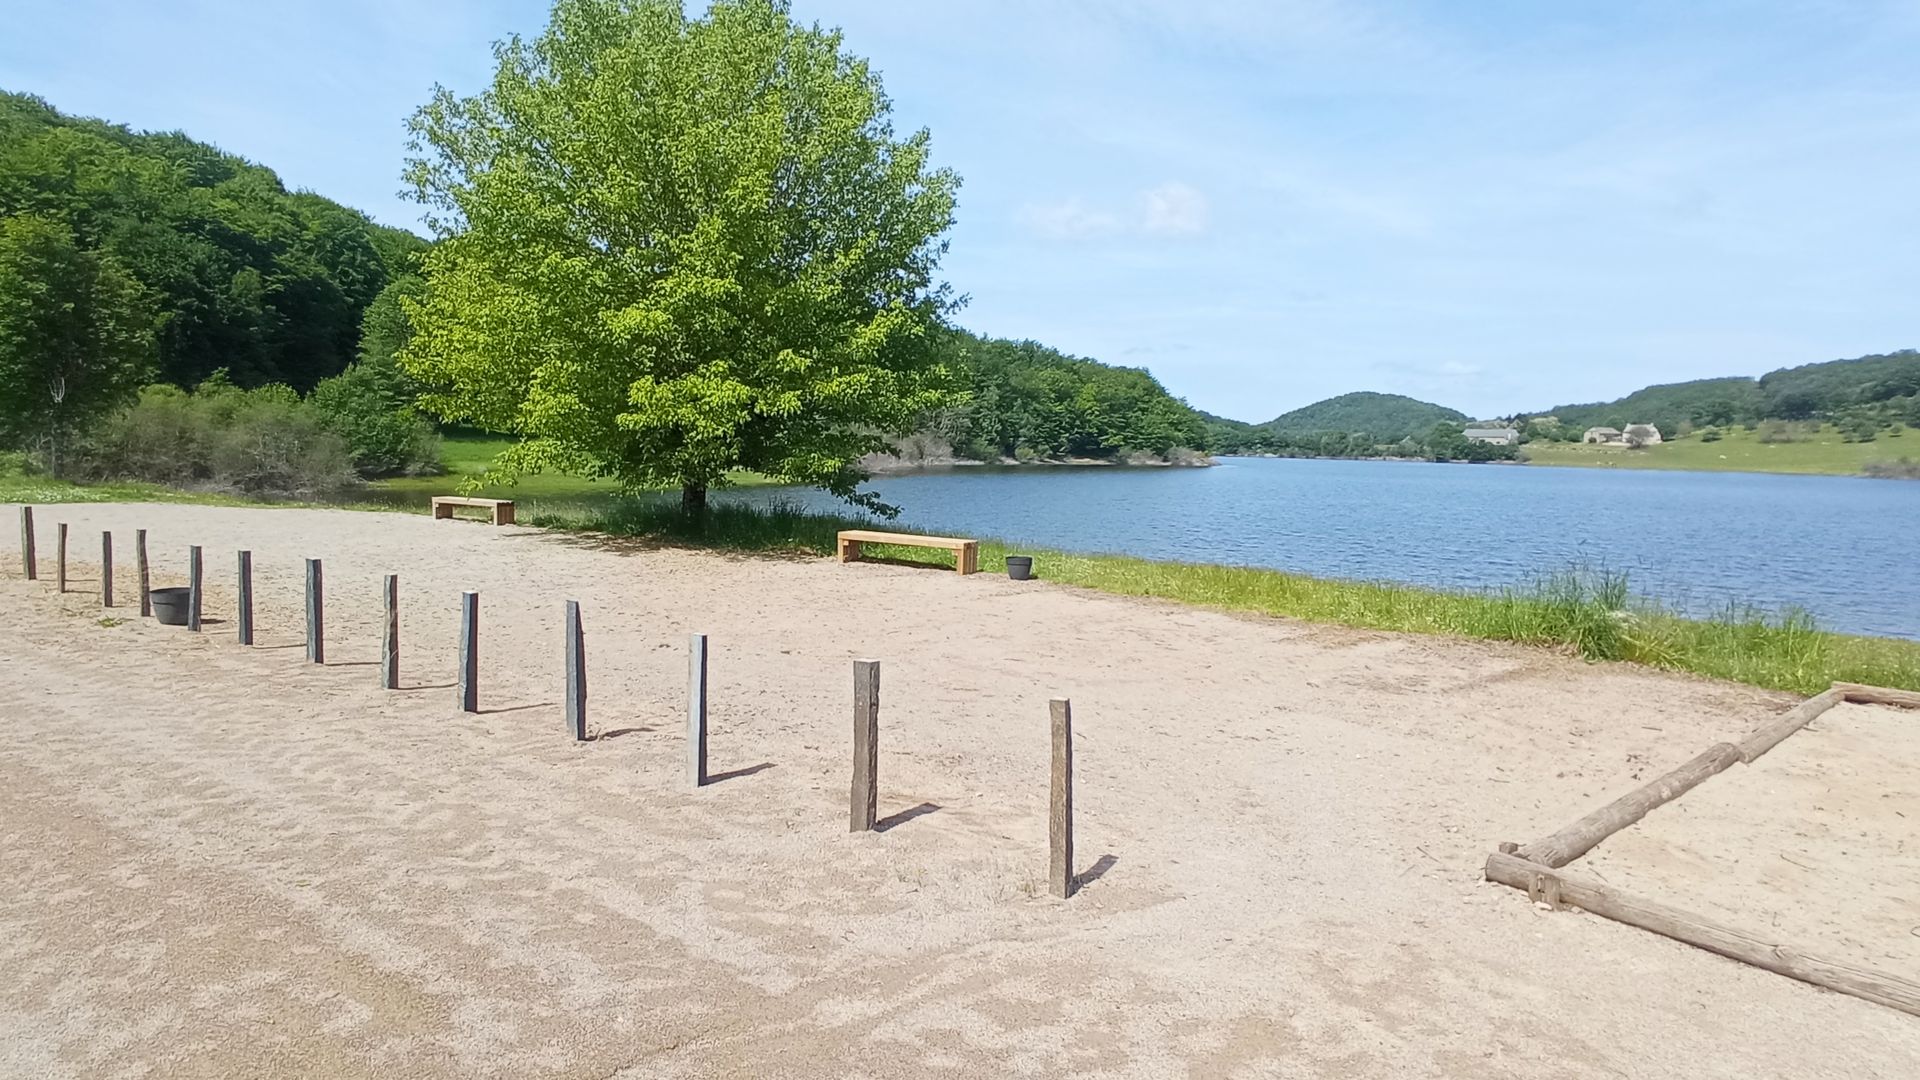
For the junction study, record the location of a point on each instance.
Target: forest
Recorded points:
(165, 305)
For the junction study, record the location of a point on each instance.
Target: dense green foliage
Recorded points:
(1868, 388)
(76, 335)
(1387, 417)
(672, 247)
(1359, 425)
(265, 442)
(1028, 401)
(244, 275)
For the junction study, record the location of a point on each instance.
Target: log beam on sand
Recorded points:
(1580, 837)
(1607, 902)
(1878, 695)
(1777, 729)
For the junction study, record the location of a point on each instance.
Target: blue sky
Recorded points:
(1495, 205)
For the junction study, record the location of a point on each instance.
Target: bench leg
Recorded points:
(967, 559)
(503, 515)
(849, 551)
(441, 511)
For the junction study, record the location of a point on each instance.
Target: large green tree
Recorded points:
(675, 246)
(76, 334)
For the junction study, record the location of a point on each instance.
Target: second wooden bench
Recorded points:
(966, 553)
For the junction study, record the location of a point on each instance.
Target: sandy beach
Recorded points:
(226, 862)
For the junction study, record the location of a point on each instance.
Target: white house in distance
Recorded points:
(1497, 436)
(1635, 435)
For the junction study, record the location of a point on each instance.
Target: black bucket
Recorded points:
(170, 605)
(1019, 567)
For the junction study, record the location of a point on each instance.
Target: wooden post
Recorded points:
(106, 569)
(28, 559)
(697, 709)
(576, 650)
(390, 633)
(140, 570)
(196, 592)
(1060, 806)
(316, 614)
(865, 800)
(470, 651)
(243, 617)
(60, 564)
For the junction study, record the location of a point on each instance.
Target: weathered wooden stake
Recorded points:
(576, 650)
(196, 591)
(390, 634)
(1060, 806)
(316, 614)
(865, 800)
(243, 618)
(140, 570)
(106, 569)
(470, 651)
(697, 709)
(60, 565)
(28, 558)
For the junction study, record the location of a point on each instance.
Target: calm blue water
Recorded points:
(1846, 550)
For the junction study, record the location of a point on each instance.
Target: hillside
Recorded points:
(244, 275)
(1386, 417)
(1799, 393)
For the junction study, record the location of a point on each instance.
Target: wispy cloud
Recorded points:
(1171, 209)
(1174, 209)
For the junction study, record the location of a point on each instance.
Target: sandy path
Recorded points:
(225, 862)
(1816, 846)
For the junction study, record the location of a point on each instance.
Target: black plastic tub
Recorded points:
(1019, 567)
(170, 605)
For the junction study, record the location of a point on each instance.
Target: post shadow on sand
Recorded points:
(617, 732)
(518, 708)
(733, 774)
(1095, 872)
(894, 821)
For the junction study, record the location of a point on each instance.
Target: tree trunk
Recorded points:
(693, 500)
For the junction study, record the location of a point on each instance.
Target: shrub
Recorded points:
(264, 442)
(1710, 435)
(367, 407)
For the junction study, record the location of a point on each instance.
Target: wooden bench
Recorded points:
(443, 506)
(966, 553)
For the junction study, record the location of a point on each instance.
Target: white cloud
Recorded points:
(1174, 209)
(1069, 220)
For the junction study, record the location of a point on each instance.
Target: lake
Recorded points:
(1847, 550)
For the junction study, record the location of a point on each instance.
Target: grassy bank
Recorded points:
(1591, 614)
(1738, 450)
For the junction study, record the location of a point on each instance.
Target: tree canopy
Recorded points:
(246, 276)
(674, 246)
(76, 334)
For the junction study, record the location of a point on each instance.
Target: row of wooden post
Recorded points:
(864, 799)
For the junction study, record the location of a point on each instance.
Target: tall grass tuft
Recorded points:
(1587, 611)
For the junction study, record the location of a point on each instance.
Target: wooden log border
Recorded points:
(1701, 932)
(1535, 868)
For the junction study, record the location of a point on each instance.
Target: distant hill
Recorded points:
(1386, 417)
(1797, 393)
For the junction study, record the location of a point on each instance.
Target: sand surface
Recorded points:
(1816, 845)
(217, 861)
